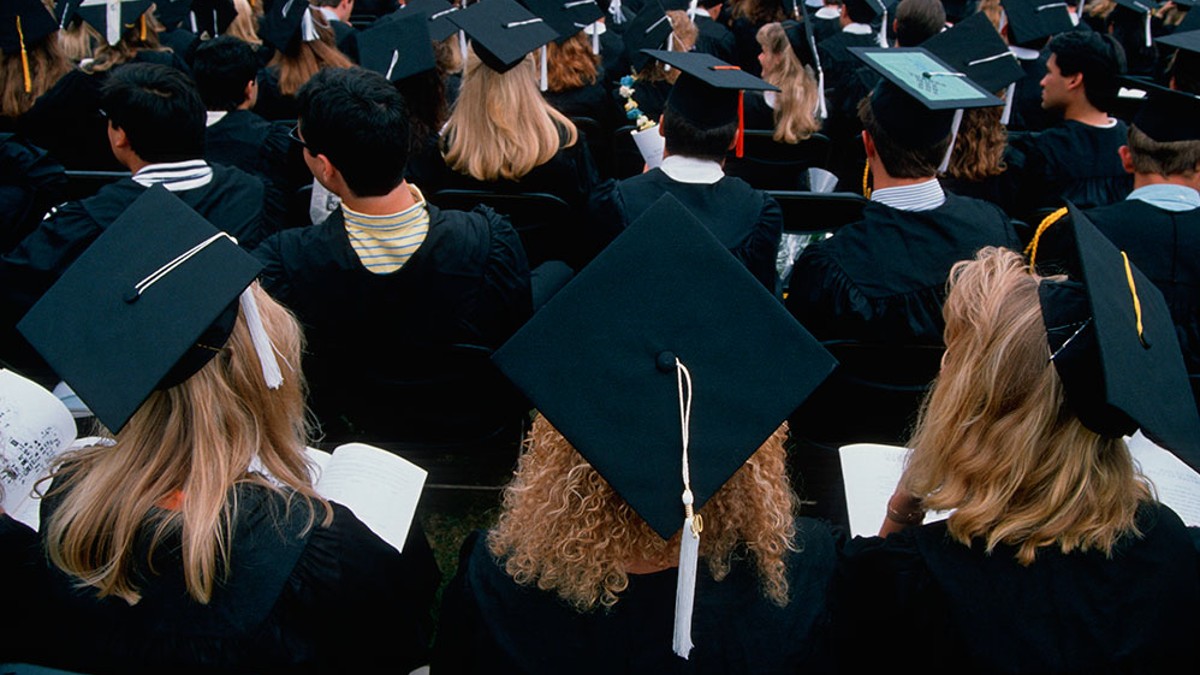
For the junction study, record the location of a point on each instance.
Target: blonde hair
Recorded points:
(994, 12)
(298, 64)
(684, 34)
(78, 41)
(570, 65)
(245, 25)
(449, 57)
(47, 64)
(142, 35)
(197, 439)
(796, 103)
(564, 529)
(501, 128)
(979, 147)
(995, 441)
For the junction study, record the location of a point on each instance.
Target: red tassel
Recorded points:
(741, 132)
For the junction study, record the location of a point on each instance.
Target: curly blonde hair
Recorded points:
(979, 147)
(995, 440)
(564, 529)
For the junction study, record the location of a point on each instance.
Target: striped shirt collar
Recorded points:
(1168, 197)
(923, 196)
(175, 176)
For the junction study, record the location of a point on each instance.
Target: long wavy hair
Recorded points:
(189, 445)
(47, 64)
(501, 128)
(796, 103)
(979, 147)
(303, 59)
(759, 12)
(140, 36)
(245, 24)
(995, 440)
(684, 34)
(562, 528)
(572, 64)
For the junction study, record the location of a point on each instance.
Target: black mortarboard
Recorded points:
(708, 91)
(864, 11)
(647, 30)
(66, 11)
(800, 36)
(1168, 115)
(566, 17)
(438, 13)
(171, 13)
(397, 49)
(973, 47)
(598, 361)
(211, 16)
(1191, 21)
(283, 23)
(24, 23)
(1188, 41)
(142, 308)
(1114, 346)
(98, 13)
(1138, 6)
(915, 103)
(1032, 20)
(503, 32)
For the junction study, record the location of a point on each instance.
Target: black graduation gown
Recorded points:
(334, 598)
(714, 38)
(746, 47)
(20, 563)
(1074, 162)
(1001, 189)
(824, 28)
(883, 279)
(981, 613)
(490, 624)
(273, 104)
(757, 114)
(612, 56)
(592, 100)
(746, 221)
(837, 62)
(247, 141)
(346, 38)
(31, 182)
(66, 121)
(368, 333)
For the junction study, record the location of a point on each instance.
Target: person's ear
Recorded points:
(868, 144)
(660, 126)
(1126, 158)
(1074, 81)
(117, 136)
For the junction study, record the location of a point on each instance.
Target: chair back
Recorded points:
(770, 165)
(818, 212)
(626, 160)
(82, 184)
(597, 143)
(543, 221)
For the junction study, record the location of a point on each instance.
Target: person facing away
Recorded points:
(882, 279)
(416, 279)
(155, 122)
(1077, 160)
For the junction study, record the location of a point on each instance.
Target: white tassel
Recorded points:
(545, 84)
(114, 25)
(1149, 39)
(822, 111)
(883, 41)
(195, 28)
(618, 16)
(1008, 103)
(685, 589)
(216, 25)
(308, 28)
(392, 65)
(596, 38)
(958, 114)
(262, 344)
(462, 45)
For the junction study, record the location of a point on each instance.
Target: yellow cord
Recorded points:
(24, 58)
(1137, 304)
(142, 36)
(866, 190)
(1049, 220)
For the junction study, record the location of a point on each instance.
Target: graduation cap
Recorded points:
(144, 308)
(666, 365)
(650, 29)
(566, 17)
(973, 47)
(66, 11)
(503, 32)
(804, 45)
(864, 11)
(211, 16)
(397, 49)
(708, 93)
(111, 18)
(171, 13)
(1032, 20)
(23, 23)
(1188, 41)
(1143, 8)
(1191, 21)
(436, 11)
(286, 21)
(1114, 346)
(1168, 115)
(920, 100)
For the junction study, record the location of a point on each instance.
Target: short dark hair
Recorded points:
(1170, 158)
(1185, 70)
(159, 110)
(899, 160)
(222, 67)
(685, 139)
(357, 119)
(918, 20)
(1099, 57)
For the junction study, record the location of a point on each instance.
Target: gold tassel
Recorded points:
(1137, 304)
(24, 58)
(142, 36)
(866, 190)
(1031, 249)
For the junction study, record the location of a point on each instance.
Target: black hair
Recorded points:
(159, 110)
(1099, 57)
(357, 119)
(688, 140)
(425, 97)
(918, 20)
(1184, 69)
(222, 68)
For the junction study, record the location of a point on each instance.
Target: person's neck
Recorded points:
(133, 162)
(399, 199)
(1085, 113)
(881, 180)
(1141, 180)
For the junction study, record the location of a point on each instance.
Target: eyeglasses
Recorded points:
(294, 134)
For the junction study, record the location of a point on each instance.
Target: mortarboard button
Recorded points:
(127, 316)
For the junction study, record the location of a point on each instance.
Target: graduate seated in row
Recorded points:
(194, 541)
(667, 416)
(303, 44)
(1056, 557)
(389, 285)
